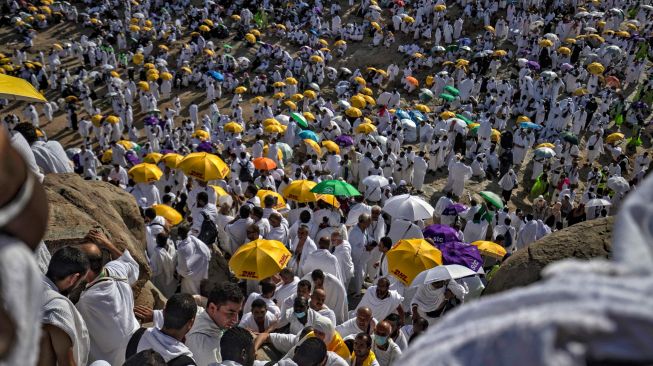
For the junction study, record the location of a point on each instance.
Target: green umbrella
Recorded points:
(447, 97)
(336, 188)
(467, 120)
(451, 90)
(492, 198)
(570, 138)
(301, 121)
(452, 47)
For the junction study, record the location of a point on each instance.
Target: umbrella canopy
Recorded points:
(300, 119)
(442, 273)
(145, 173)
(598, 202)
(375, 181)
(353, 112)
(408, 207)
(461, 253)
(201, 134)
(365, 128)
(331, 146)
(618, 184)
(530, 125)
(204, 166)
(490, 249)
(544, 152)
(262, 193)
(441, 233)
(336, 188)
(570, 138)
(409, 257)
(263, 163)
(169, 213)
(171, 160)
(492, 198)
(233, 127)
(300, 191)
(344, 140)
(306, 134)
(314, 146)
(216, 75)
(614, 137)
(152, 158)
(13, 88)
(454, 209)
(259, 259)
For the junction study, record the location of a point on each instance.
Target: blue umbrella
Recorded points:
(402, 114)
(314, 32)
(416, 115)
(307, 134)
(530, 125)
(216, 75)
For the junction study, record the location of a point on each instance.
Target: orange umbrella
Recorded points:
(264, 163)
(411, 80)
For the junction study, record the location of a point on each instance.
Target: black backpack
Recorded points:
(244, 175)
(135, 339)
(208, 232)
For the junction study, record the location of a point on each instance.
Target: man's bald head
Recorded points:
(383, 328)
(94, 254)
(364, 318)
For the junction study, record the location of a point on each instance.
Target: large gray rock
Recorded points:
(586, 240)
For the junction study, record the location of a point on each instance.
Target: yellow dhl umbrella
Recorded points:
(329, 198)
(259, 259)
(521, 119)
(365, 128)
(291, 80)
(409, 19)
(187, 70)
(170, 214)
(143, 85)
(279, 95)
(262, 193)
(440, 8)
(13, 88)
(342, 42)
(316, 59)
(219, 191)
(353, 112)
(153, 158)
(360, 80)
(250, 38)
(107, 156)
(201, 134)
(545, 43)
(279, 84)
(358, 101)
(564, 51)
(233, 127)
(309, 116)
(290, 104)
(257, 99)
(331, 146)
(297, 97)
(545, 144)
(499, 53)
(490, 249)
(113, 119)
(152, 76)
(204, 28)
(614, 137)
(204, 166)
(423, 108)
(145, 173)
(622, 34)
(595, 68)
(166, 76)
(300, 191)
(274, 129)
(447, 115)
(310, 94)
(171, 160)
(314, 146)
(409, 257)
(367, 91)
(270, 121)
(240, 90)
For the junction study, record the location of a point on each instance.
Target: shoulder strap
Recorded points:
(182, 360)
(132, 346)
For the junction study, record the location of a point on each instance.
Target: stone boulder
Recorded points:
(78, 205)
(586, 240)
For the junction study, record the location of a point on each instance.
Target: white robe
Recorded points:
(193, 258)
(381, 308)
(324, 260)
(203, 340)
(336, 295)
(168, 347)
(284, 291)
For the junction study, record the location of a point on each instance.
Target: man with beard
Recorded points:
(65, 339)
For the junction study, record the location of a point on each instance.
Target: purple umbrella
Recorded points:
(533, 65)
(461, 253)
(454, 209)
(132, 158)
(205, 147)
(441, 233)
(151, 121)
(166, 151)
(567, 66)
(344, 140)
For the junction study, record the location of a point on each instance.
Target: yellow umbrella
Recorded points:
(209, 52)
(316, 59)
(143, 85)
(323, 42)
(353, 112)
(564, 50)
(545, 43)
(204, 166)
(409, 19)
(366, 128)
(342, 42)
(187, 70)
(545, 144)
(96, 119)
(149, 66)
(409, 257)
(201, 134)
(259, 259)
(233, 127)
(297, 97)
(310, 94)
(235, 17)
(166, 76)
(134, 28)
(329, 198)
(240, 90)
(495, 136)
(145, 173)
(279, 84)
(113, 119)
(250, 38)
(208, 22)
(152, 76)
(171, 160)
(300, 191)
(423, 108)
(13, 88)
(290, 104)
(107, 156)
(169, 213)
(279, 95)
(219, 191)
(257, 99)
(270, 121)
(595, 68)
(204, 28)
(580, 91)
(291, 80)
(440, 8)
(489, 28)
(499, 53)
(490, 249)
(262, 193)
(275, 129)
(570, 40)
(622, 34)
(360, 80)
(314, 146)
(367, 91)
(153, 158)
(309, 116)
(358, 101)
(114, 74)
(521, 119)
(447, 115)
(331, 146)
(255, 32)
(614, 137)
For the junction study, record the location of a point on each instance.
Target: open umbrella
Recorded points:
(492, 198)
(300, 119)
(314, 146)
(544, 152)
(408, 207)
(461, 253)
(169, 213)
(614, 137)
(598, 202)
(259, 259)
(171, 160)
(310, 135)
(454, 209)
(300, 191)
(335, 187)
(530, 125)
(233, 127)
(331, 146)
(375, 181)
(409, 257)
(262, 193)
(447, 97)
(145, 173)
(152, 158)
(618, 184)
(570, 138)
(451, 90)
(441, 233)
(425, 95)
(344, 140)
(490, 249)
(442, 273)
(204, 166)
(263, 163)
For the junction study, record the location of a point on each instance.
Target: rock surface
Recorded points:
(586, 240)
(78, 205)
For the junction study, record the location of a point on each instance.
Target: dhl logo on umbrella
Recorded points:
(248, 274)
(402, 276)
(284, 260)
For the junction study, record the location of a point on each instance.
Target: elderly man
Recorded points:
(361, 245)
(385, 349)
(362, 323)
(278, 229)
(382, 300)
(286, 287)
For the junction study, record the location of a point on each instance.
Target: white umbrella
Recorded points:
(442, 273)
(408, 207)
(384, 98)
(375, 181)
(597, 202)
(139, 16)
(618, 184)
(107, 67)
